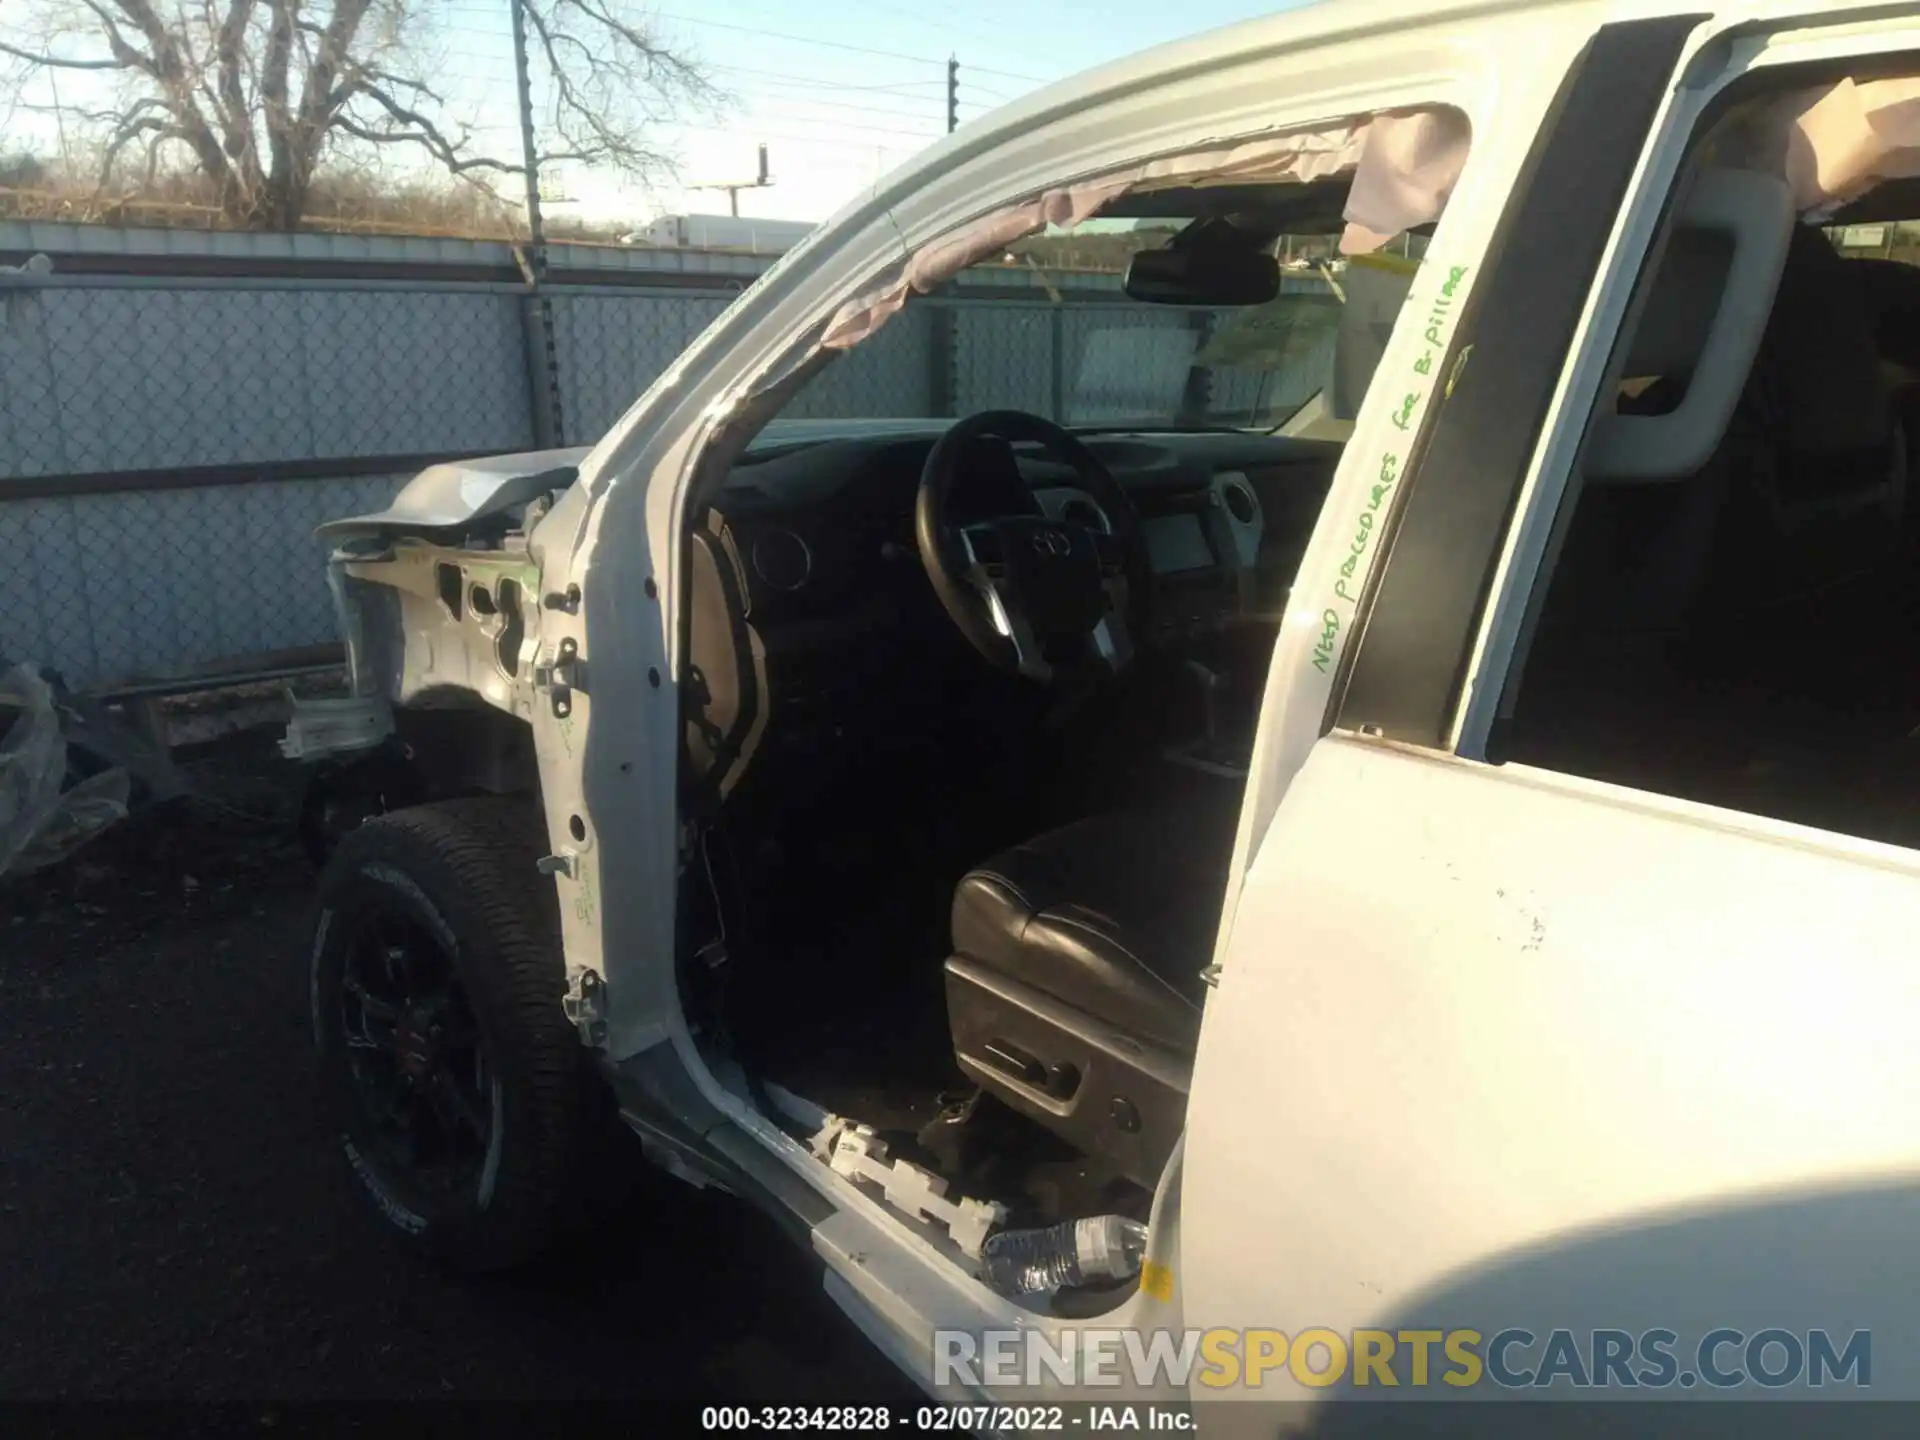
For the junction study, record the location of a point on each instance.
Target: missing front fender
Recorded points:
(342, 795)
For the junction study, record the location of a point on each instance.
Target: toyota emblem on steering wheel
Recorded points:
(1051, 542)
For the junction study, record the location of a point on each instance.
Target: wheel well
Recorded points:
(463, 747)
(450, 748)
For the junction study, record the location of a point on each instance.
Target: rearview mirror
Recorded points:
(1211, 275)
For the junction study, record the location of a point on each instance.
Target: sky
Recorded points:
(840, 91)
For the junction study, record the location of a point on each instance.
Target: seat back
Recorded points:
(1822, 453)
(1773, 518)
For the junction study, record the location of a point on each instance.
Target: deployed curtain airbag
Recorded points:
(1405, 166)
(1835, 143)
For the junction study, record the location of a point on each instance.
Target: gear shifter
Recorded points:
(1206, 752)
(1209, 681)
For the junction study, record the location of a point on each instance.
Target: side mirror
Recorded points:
(1206, 275)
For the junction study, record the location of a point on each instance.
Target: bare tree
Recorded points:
(259, 93)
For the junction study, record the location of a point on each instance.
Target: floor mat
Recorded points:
(890, 1070)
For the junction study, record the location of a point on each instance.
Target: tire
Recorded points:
(466, 1103)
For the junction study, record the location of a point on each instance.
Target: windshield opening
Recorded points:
(1044, 326)
(1124, 364)
(1027, 308)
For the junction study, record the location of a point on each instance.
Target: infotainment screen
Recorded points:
(1177, 542)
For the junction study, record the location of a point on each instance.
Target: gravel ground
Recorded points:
(177, 1224)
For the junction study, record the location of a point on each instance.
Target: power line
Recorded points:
(480, 8)
(759, 118)
(947, 25)
(484, 67)
(818, 84)
(800, 39)
(752, 121)
(788, 119)
(841, 45)
(926, 113)
(1007, 74)
(797, 105)
(788, 138)
(993, 96)
(484, 64)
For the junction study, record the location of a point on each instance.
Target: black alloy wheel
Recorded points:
(465, 1101)
(416, 1054)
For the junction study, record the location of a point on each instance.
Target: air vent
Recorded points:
(781, 559)
(1239, 502)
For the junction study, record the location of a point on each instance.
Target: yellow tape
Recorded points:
(1157, 1280)
(1392, 264)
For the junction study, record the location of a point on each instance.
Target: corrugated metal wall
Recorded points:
(136, 584)
(126, 378)
(168, 443)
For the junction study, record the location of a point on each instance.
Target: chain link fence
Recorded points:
(167, 449)
(169, 443)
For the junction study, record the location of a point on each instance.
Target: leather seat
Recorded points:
(1074, 991)
(1114, 915)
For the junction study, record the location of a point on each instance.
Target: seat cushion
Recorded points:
(1114, 915)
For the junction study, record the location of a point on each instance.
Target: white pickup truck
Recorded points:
(1393, 769)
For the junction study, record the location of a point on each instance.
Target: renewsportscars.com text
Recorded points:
(1512, 1359)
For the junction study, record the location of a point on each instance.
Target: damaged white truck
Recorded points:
(1328, 771)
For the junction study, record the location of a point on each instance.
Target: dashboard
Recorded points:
(819, 523)
(814, 588)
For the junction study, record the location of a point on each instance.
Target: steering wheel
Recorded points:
(1037, 597)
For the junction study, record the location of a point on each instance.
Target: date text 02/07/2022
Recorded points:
(950, 1419)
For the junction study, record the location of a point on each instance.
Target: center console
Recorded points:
(1192, 603)
(1221, 743)
(1203, 545)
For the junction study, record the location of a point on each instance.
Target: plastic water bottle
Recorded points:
(1074, 1252)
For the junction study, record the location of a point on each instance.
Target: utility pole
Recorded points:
(536, 229)
(60, 123)
(943, 364)
(543, 361)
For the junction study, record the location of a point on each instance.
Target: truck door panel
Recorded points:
(1497, 1047)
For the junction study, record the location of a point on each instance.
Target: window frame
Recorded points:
(1725, 69)
(1420, 616)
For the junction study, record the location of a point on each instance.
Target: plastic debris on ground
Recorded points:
(855, 1151)
(54, 796)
